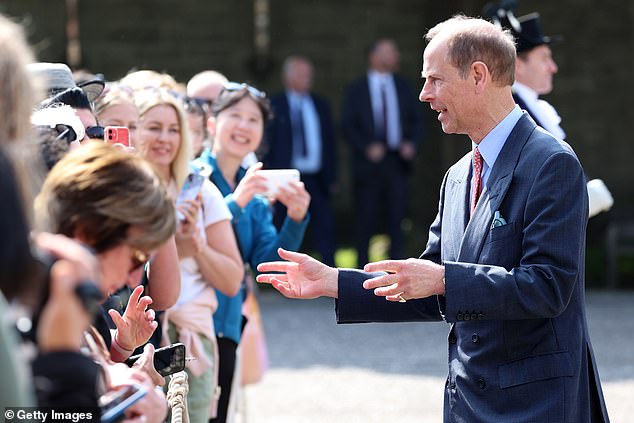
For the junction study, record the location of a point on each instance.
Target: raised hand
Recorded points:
(188, 238)
(296, 199)
(252, 183)
(302, 276)
(137, 324)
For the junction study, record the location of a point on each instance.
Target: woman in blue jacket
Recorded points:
(237, 126)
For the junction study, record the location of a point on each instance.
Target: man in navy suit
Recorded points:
(301, 136)
(382, 121)
(504, 263)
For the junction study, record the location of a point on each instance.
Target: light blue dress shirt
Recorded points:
(492, 143)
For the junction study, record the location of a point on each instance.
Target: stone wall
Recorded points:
(592, 89)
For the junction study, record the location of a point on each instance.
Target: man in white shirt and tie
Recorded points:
(534, 70)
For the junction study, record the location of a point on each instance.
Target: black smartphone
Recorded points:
(113, 404)
(167, 360)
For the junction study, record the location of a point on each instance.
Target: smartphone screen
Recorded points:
(170, 359)
(191, 188)
(167, 360)
(113, 404)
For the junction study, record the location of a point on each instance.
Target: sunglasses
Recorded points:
(95, 132)
(197, 105)
(238, 86)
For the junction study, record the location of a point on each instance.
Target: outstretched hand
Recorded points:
(137, 324)
(301, 276)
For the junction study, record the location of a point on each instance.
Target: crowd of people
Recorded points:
(109, 257)
(103, 257)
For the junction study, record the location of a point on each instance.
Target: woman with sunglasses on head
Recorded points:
(208, 252)
(237, 125)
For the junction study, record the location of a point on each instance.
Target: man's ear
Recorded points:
(481, 75)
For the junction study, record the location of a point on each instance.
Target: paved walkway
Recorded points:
(324, 372)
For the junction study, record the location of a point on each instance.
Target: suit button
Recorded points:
(459, 316)
(480, 316)
(452, 338)
(474, 316)
(475, 338)
(467, 316)
(481, 383)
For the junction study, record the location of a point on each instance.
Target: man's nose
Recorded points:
(553, 66)
(425, 94)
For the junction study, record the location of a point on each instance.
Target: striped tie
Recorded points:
(477, 178)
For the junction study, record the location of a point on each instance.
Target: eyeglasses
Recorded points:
(95, 132)
(138, 259)
(65, 132)
(193, 103)
(238, 86)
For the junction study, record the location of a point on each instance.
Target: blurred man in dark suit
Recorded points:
(382, 121)
(301, 136)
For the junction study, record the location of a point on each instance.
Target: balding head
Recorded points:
(206, 84)
(473, 39)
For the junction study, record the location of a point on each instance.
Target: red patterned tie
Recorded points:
(477, 178)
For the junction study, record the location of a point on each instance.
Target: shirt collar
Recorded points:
(378, 76)
(492, 144)
(216, 176)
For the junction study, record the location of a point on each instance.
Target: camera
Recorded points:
(87, 292)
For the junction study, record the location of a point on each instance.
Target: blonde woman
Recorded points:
(208, 252)
(116, 107)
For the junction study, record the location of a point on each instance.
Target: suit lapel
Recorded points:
(456, 211)
(494, 191)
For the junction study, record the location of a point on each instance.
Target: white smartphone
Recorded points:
(276, 178)
(191, 188)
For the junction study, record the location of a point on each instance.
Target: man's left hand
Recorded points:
(406, 279)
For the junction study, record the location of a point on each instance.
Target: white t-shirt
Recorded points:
(213, 210)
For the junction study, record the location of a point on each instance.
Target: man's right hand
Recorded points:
(301, 276)
(375, 151)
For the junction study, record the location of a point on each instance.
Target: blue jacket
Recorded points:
(519, 349)
(258, 241)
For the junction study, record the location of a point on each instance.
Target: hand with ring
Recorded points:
(406, 279)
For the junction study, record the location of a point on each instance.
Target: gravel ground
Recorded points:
(324, 372)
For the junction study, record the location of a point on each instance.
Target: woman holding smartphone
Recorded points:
(207, 249)
(237, 126)
(116, 107)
